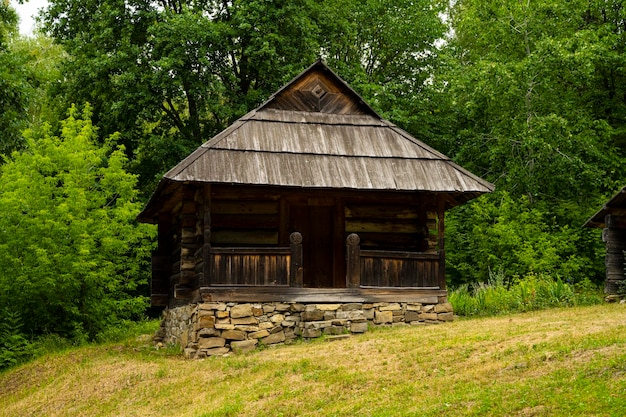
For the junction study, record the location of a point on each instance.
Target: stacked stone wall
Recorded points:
(217, 328)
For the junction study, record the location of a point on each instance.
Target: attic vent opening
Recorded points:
(318, 91)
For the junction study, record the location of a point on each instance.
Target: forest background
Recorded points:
(530, 95)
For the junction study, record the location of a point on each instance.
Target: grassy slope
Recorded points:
(556, 362)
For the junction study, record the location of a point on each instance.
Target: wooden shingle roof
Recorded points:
(615, 206)
(316, 132)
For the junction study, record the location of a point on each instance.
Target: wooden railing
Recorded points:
(262, 266)
(377, 268)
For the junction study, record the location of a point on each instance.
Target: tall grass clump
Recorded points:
(532, 292)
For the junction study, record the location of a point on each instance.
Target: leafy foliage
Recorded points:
(532, 292)
(170, 75)
(13, 84)
(72, 258)
(14, 346)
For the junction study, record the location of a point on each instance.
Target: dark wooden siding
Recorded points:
(399, 227)
(244, 222)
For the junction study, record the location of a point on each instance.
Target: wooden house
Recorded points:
(612, 219)
(312, 199)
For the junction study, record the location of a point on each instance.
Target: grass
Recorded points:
(534, 292)
(557, 362)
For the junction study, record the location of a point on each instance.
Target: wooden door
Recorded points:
(316, 224)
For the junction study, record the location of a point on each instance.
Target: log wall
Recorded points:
(614, 237)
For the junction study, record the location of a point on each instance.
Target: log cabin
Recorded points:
(311, 208)
(612, 219)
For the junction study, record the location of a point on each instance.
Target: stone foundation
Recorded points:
(217, 328)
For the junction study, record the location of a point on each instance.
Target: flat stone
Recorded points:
(276, 329)
(317, 324)
(221, 314)
(369, 314)
(266, 325)
(282, 307)
(268, 308)
(257, 310)
(444, 308)
(330, 315)
(413, 306)
(213, 306)
(334, 330)
(277, 318)
(428, 308)
(351, 306)
(208, 332)
(445, 316)
(358, 327)
(390, 307)
(328, 307)
(233, 335)
(311, 333)
(411, 316)
(216, 351)
(274, 338)
(259, 334)
(428, 316)
(296, 307)
(244, 320)
(382, 317)
(243, 346)
(241, 310)
(288, 323)
(313, 315)
(224, 326)
(351, 315)
(211, 342)
(205, 322)
(247, 328)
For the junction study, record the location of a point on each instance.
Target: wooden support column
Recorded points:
(206, 238)
(441, 243)
(296, 274)
(615, 239)
(353, 261)
(188, 245)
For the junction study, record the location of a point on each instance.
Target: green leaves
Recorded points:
(72, 254)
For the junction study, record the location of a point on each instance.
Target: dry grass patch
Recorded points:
(556, 362)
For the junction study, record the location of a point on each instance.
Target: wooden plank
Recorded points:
(375, 226)
(244, 207)
(251, 251)
(244, 237)
(322, 295)
(381, 212)
(245, 221)
(399, 255)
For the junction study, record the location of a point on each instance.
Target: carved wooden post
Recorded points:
(296, 271)
(353, 267)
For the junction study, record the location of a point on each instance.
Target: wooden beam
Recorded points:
(322, 295)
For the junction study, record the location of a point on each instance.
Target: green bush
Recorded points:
(72, 257)
(14, 346)
(533, 292)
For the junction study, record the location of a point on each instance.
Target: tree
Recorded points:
(13, 84)
(170, 75)
(540, 112)
(72, 257)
